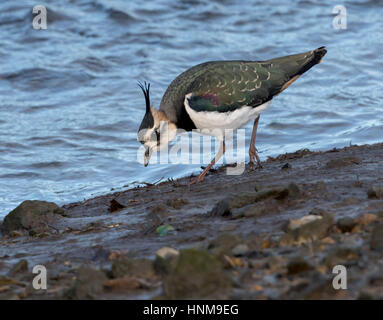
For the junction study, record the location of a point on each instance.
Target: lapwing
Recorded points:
(219, 95)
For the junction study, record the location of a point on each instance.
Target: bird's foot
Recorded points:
(253, 167)
(197, 180)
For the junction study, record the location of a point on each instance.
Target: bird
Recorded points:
(218, 95)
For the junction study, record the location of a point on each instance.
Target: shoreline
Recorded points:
(248, 228)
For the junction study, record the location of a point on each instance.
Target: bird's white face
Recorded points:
(158, 136)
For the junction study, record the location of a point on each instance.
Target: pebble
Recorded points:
(376, 192)
(376, 242)
(346, 224)
(167, 253)
(240, 250)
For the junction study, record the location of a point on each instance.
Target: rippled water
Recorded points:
(70, 106)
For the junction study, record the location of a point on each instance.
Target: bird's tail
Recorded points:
(295, 65)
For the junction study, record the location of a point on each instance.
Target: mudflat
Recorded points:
(275, 232)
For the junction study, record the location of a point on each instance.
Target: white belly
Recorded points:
(219, 121)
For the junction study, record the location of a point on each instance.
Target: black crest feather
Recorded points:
(146, 90)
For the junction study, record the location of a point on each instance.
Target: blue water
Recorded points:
(70, 106)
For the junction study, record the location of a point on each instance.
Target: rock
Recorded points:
(142, 268)
(220, 209)
(278, 193)
(308, 228)
(286, 166)
(4, 281)
(197, 275)
(376, 192)
(376, 242)
(115, 206)
(19, 267)
(166, 259)
(88, 284)
(156, 217)
(122, 284)
(32, 216)
(223, 244)
(298, 265)
(251, 210)
(227, 227)
(340, 163)
(160, 210)
(240, 250)
(346, 224)
(16, 233)
(225, 206)
(298, 223)
(166, 253)
(366, 218)
(341, 255)
(177, 203)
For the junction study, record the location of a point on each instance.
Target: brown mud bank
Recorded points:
(271, 233)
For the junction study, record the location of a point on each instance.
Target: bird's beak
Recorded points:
(148, 153)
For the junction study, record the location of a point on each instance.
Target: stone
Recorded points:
(32, 216)
(177, 203)
(223, 244)
(297, 265)
(240, 250)
(122, 284)
(166, 259)
(341, 255)
(88, 284)
(142, 268)
(226, 206)
(166, 253)
(375, 192)
(346, 224)
(367, 218)
(19, 268)
(115, 206)
(197, 275)
(342, 162)
(376, 242)
(307, 229)
(220, 209)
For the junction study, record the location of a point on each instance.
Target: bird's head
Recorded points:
(156, 131)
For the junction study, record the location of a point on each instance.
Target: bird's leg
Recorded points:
(253, 149)
(220, 153)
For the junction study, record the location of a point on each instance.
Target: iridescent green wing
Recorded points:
(230, 85)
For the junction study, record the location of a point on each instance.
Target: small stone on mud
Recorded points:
(286, 166)
(376, 242)
(298, 265)
(88, 284)
(340, 163)
(122, 284)
(132, 267)
(167, 252)
(197, 275)
(220, 209)
(376, 192)
(223, 244)
(240, 250)
(31, 215)
(165, 261)
(341, 255)
(367, 218)
(177, 203)
(19, 267)
(225, 206)
(346, 224)
(115, 206)
(308, 228)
